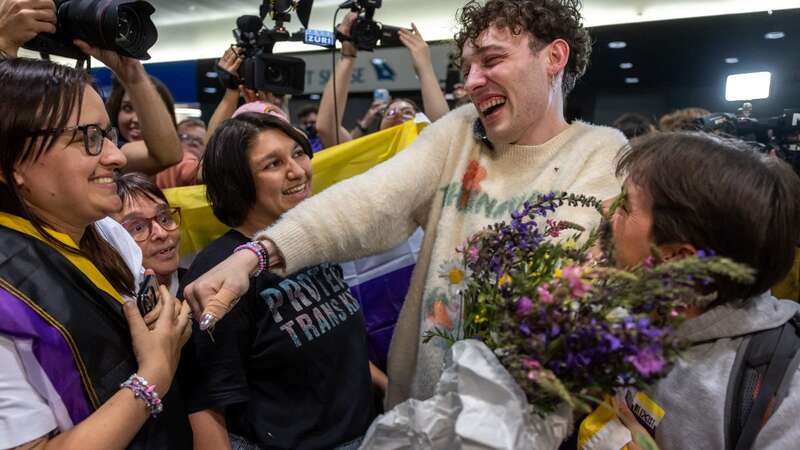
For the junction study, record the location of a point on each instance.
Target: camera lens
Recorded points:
(123, 26)
(275, 75)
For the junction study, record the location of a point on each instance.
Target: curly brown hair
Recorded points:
(545, 20)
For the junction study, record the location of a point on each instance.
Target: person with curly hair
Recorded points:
(471, 168)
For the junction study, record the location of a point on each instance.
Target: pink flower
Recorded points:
(544, 295)
(531, 363)
(578, 287)
(648, 361)
(472, 252)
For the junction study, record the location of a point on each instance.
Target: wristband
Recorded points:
(361, 127)
(145, 391)
(227, 79)
(261, 254)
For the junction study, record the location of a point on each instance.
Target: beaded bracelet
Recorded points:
(145, 391)
(261, 254)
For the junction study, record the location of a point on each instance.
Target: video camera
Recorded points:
(780, 133)
(123, 26)
(263, 71)
(366, 32)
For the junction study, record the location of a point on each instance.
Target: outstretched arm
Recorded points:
(161, 147)
(433, 100)
(328, 124)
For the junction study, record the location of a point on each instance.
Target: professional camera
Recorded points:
(123, 26)
(263, 71)
(780, 133)
(366, 32)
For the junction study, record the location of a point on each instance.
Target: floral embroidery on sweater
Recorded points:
(471, 182)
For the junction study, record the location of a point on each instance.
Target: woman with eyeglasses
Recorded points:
(79, 366)
(153, 224)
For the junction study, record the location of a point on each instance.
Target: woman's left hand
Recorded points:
(128, 70)
(640, 438)
(420, 52)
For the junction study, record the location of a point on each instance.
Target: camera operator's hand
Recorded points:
(230, 61)
(416, 45)
(348, 49)
(22, 20)
(128, 70)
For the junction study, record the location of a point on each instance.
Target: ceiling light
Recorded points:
(747, 86)
(626, 66)
(631, 80)
(774, 35)
(617, 44)
(210, 90)
(314, 97)
(212, 74)
(731, 60)
(188, 112)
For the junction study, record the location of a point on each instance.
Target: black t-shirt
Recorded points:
(289, 363)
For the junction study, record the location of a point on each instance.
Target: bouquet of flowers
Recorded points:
(569, 328)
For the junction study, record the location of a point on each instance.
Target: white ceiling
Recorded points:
(194, 29)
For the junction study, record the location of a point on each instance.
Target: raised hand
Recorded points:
(22, 20)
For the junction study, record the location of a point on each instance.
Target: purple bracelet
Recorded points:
(145, 391)
(261, 254)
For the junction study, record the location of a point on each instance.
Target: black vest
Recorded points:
(95, 322)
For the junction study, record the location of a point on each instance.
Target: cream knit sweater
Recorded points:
(452, 186)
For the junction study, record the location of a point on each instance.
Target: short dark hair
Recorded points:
(720, 195)
(114, 102)
(225, 163)
(545, 20)
(633, 125)
(310, 109)
(134, 184)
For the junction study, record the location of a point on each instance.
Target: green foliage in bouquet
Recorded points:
(570, 328)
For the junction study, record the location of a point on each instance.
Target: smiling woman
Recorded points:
(153, 224)
(291, 369)
(61, 284)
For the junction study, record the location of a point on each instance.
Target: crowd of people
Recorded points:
(259, 342)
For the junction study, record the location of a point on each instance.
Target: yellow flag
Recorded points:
(329, 166)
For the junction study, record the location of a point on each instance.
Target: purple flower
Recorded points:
(612, 342)
(648, 361)
(524, 306)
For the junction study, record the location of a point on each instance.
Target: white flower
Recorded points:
(617, 314)
(455, 275)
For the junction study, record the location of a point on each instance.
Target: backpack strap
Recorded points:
(762, 373)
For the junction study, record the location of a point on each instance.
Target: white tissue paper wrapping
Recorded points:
(477, 405)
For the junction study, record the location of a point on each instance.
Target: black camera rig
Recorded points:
(366, 32)
(261, 70)
(780, 133)
(123, 26)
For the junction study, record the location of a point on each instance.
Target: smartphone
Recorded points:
(381, 95)
(390, 36)
(147, 296)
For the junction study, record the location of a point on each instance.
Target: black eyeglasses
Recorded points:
(93, 136)
(191, 140)
(140, 229)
